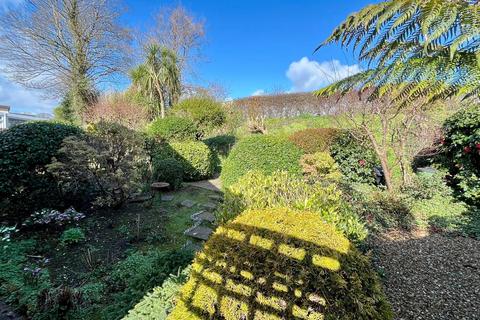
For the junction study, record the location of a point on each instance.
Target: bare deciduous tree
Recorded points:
(183, 33)
(63, 46)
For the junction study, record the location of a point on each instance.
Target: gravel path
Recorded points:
(430, 276)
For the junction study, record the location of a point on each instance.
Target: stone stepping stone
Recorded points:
(187, 203)
(167, 197)
(203, 216)
(199, 232)
(209, 206)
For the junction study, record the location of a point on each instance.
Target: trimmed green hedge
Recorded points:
(197, 160)
(173, 129)
(263, 153)
(25, 184)
(281, 264)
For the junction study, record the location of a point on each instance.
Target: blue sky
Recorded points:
(252, 46)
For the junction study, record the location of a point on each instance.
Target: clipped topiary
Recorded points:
(168, 170)
(314, 140)
(173, 129)
(281, 264)
(263, 153)
(221, 144)
(205, 112)
(197, 160)
(25, 184)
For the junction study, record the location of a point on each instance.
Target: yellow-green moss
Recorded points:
(280, 264)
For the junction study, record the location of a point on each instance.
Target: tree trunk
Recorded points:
(382, 155)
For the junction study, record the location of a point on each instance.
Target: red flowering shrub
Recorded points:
(462, 152)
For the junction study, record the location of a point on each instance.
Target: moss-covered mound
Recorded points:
(280, 264)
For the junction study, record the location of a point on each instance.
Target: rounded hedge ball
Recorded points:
(280, 264)
(263, 153)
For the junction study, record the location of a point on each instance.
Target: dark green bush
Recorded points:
(168, 170)
(197, 160)
(263, 153)
(25, 184)
(462, 152)
(104, 166)
(222, 144)
(314, 140)
(173, 129)
(355, 159)
(281, 264)
(205, 112)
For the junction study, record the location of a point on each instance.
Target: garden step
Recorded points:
(167, 197)
(203, 216)
(187, 203)
(199, 232)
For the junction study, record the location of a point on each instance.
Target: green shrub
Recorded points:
(380, 209)
(205, 112)
(222, 144)
(320, 167)
(314, 140)
(168, 170)
(281, 264)
(356, 160)
(173, 129)
(256, 190)
(107, 163)
(25, 184)
(462, 152)
(195, 157)
(21, 282)
(264, 153)
(72, 236)
(425, 186)
(138, 274)
(159, 303)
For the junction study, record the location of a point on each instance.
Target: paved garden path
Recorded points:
(212, 184)
(430, 276)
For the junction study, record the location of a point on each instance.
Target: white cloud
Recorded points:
(308, 75)
(259, 92)
(24, 100)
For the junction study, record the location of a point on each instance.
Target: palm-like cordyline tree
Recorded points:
(158, 79)
(427, 49)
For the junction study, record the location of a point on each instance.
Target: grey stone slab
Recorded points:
(167, 197)
(188, 203)
(203, 216)
(199, 232)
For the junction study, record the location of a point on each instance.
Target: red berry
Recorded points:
(362, 162)
(477, 145)
(467, 149)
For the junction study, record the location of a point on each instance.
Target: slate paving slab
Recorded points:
(188, 203)
(199, 232)
(203, 216)
(167, 197)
